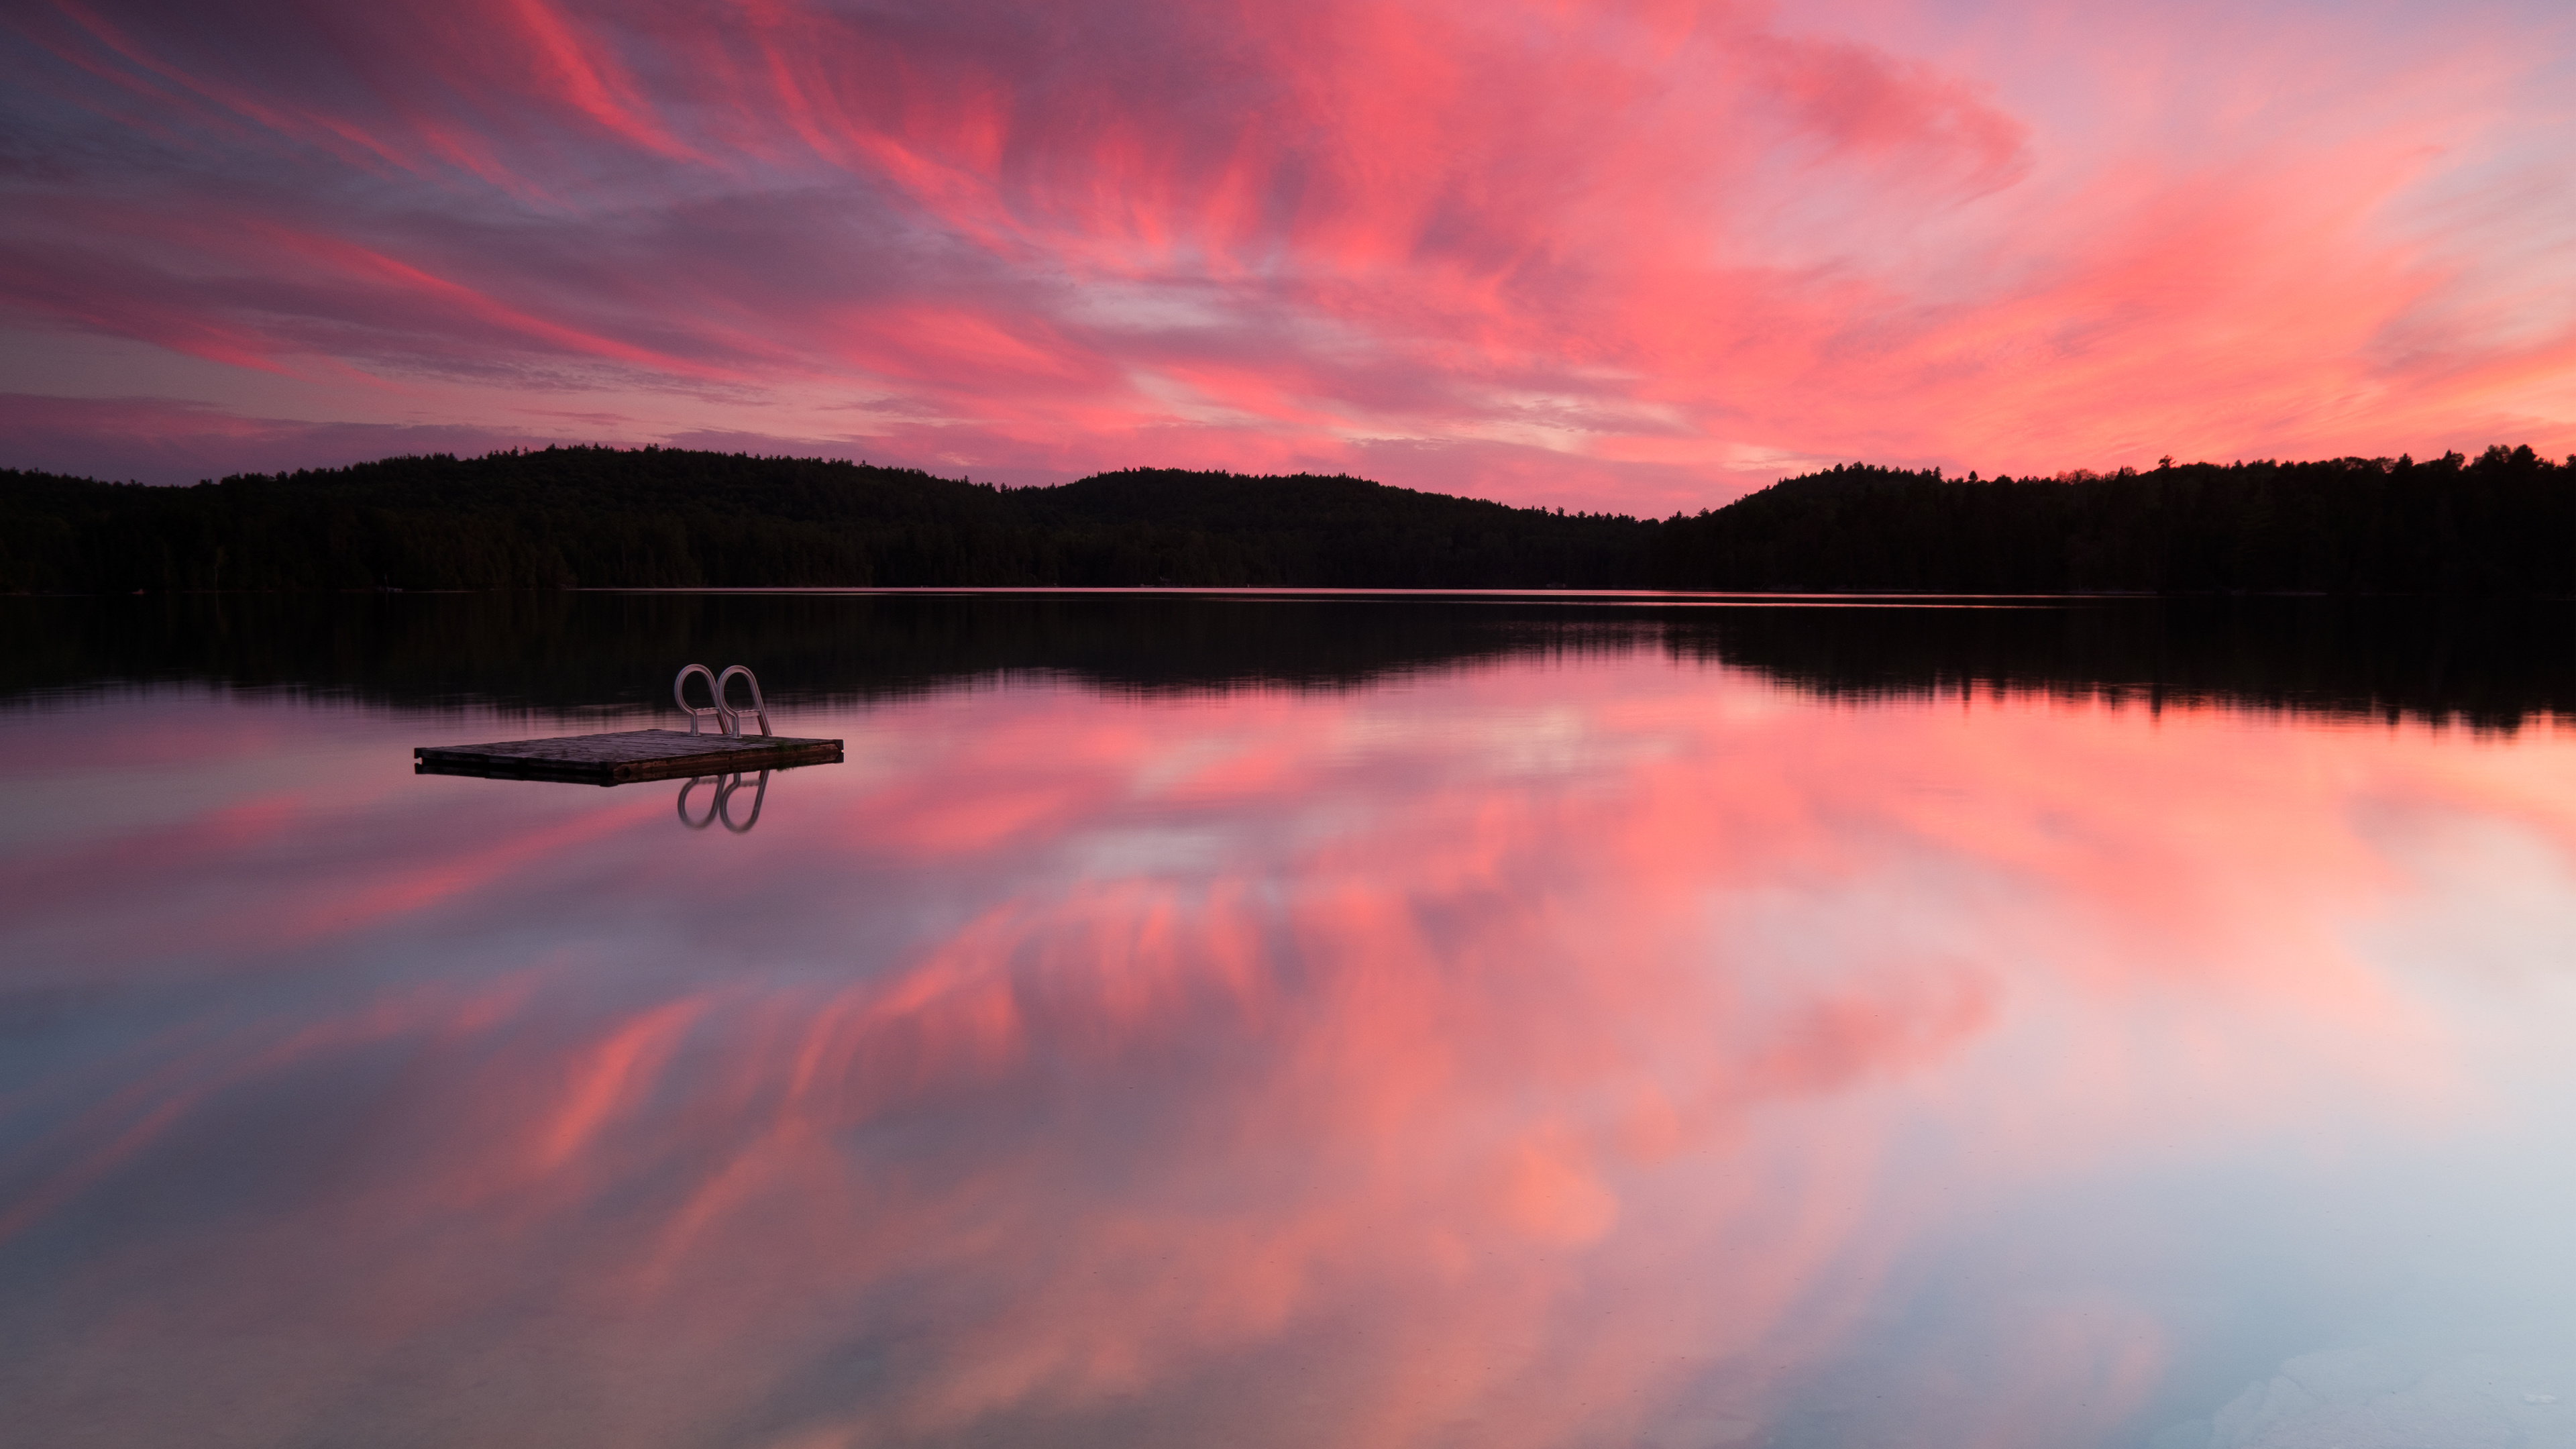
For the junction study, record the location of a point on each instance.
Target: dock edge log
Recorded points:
(622, 757)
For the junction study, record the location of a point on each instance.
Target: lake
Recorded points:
(1285, 1020)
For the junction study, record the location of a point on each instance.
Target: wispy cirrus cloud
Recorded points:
(1633, 254)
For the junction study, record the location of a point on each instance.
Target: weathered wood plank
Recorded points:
(622, 757)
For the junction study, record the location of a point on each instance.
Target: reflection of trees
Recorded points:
(570, 655)
(2490, 664)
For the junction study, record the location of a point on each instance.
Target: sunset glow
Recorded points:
(1640, 256)
(1597, 1050)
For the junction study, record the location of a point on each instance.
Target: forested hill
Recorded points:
(2503, 525)
(656, 518)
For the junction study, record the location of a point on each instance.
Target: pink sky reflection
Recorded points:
(1524, 1056)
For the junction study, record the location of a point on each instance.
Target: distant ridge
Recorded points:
(2502, 525)
(668, 518)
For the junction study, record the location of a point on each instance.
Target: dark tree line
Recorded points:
(2503, 525)
(665, 518)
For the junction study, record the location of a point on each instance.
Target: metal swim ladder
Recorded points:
(721, 713)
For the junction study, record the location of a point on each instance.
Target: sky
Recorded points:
(1640, 255)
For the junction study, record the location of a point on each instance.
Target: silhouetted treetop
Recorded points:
(2504, 524)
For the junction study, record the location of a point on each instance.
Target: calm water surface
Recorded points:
(1272, 1023)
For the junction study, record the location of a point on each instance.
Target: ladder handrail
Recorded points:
(679, 694)
(733, 717)
(722, 714)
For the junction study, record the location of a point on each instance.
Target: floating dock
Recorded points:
(623, 757)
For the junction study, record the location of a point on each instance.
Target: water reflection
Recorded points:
(719, 805)
(2492, 663)
(1594, 1043)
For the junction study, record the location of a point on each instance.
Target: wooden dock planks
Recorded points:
(622, 757)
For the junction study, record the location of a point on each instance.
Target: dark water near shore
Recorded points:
(1263, 1020)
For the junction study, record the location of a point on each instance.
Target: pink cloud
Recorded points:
(156, 440)
(1633, 255)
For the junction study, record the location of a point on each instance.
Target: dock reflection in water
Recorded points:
(1555, 1030)
(719, 802)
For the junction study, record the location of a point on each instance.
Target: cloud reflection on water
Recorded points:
(1580, 1051)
